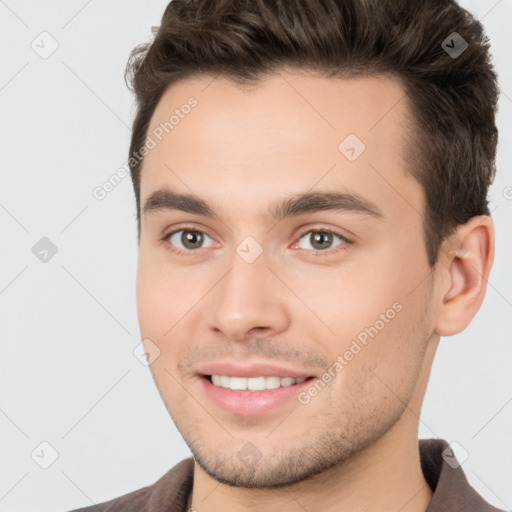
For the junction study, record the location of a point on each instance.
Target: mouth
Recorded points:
(253, 396)
(260, 383)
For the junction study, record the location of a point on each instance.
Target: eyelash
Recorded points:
(323, 253)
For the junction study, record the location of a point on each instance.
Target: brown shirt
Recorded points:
(451, 490)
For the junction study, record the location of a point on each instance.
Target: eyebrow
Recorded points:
(311, 202)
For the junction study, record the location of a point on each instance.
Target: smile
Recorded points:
(253, 383)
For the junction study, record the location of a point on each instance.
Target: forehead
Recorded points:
(292, 133)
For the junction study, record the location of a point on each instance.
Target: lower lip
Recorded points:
(251, 403)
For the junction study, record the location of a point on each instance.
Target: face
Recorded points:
(248, 278)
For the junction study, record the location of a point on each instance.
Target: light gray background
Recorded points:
(68, 327)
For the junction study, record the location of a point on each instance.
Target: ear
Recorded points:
(465, 264)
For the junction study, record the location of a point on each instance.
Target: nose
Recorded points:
(249, 300)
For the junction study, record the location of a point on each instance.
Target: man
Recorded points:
(311, 181)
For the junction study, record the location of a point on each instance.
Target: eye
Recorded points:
(321, 240)
(187, 241)
(191, 240)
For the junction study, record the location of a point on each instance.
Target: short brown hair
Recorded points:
(453, 99)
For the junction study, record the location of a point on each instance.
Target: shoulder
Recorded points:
(138, 498)
(171, 491)
(443, 473)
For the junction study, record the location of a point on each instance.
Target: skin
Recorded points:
(241, 149)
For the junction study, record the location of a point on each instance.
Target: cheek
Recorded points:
(378, 324)
(159, 310)
(155, 297)
(379, 379)
(393, 356)
(167, 299)
(352, 296)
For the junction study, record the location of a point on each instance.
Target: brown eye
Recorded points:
(186, 240)
(191, 239)
(321, 240)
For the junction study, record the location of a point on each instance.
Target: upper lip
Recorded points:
(250, 370)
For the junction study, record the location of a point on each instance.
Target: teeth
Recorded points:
(254, 383)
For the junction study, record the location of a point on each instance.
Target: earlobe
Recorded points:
(465, 267)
